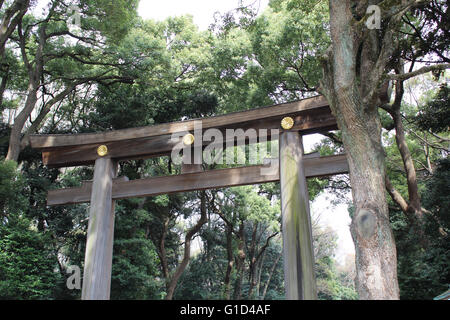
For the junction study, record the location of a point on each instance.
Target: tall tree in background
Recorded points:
(58, 60)
(355, 67)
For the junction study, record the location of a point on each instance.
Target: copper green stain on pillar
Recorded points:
(300, 283)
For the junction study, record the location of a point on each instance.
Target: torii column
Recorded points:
(100, 236)
(299, 276)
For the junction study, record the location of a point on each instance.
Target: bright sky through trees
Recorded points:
(202, 10)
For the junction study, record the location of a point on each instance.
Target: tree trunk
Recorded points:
(259, 271)
(413, 209)
(19, 123)
(11, 18)
(3, 81)
(376, 258)
(187, 247)
(272, 271)
(351, 81)
(162, 250)
(253, 261)
(34, 76)
(240, 260)
(227, 280)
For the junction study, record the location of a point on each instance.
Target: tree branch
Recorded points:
(406, 76)
(187, 246)
(397, 198)
(15, 12)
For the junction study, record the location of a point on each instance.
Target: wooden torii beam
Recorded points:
(291, 169)
(62, 150)
(315, 166)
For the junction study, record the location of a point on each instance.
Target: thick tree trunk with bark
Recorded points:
(374, 241)
(19, 123)
(35, 71)
(351, 82)
(11, 18)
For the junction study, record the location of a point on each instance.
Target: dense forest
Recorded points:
(77, 66)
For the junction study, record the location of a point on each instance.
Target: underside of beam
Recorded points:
(212, 179)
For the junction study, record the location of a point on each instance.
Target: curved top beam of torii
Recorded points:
(62, 150)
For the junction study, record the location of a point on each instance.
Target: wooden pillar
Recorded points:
(100, 237)
(299, 277)
(192, 161)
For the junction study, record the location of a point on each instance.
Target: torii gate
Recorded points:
(105, 149)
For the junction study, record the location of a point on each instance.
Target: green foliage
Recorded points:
(12, 202)
(202, 279)
(287, 39)
(423, 274)
(26, 264)
(135, 261)
(329, 285)
(111, 18)
(437, 195)
(435, 114)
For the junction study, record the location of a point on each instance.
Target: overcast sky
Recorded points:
(202, 10)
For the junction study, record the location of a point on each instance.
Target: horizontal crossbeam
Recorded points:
(212, 179)
(310, 116)
(68, 140)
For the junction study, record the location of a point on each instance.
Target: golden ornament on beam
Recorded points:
(287, 123)
(188, 139)
(102, 150)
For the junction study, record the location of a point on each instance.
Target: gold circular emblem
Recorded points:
(287, 123)
(102, 150)
(188, 139)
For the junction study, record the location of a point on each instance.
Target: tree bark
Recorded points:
(229, 223)
(12, 17)
(259, 270)
(34, 76)
(272, 271)
(162, 250)
(351, 83)
(253, 261)
(227, 280)
(240, 260)
(3, 82)
(413, 208)
(19, 123)
(408, 163)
